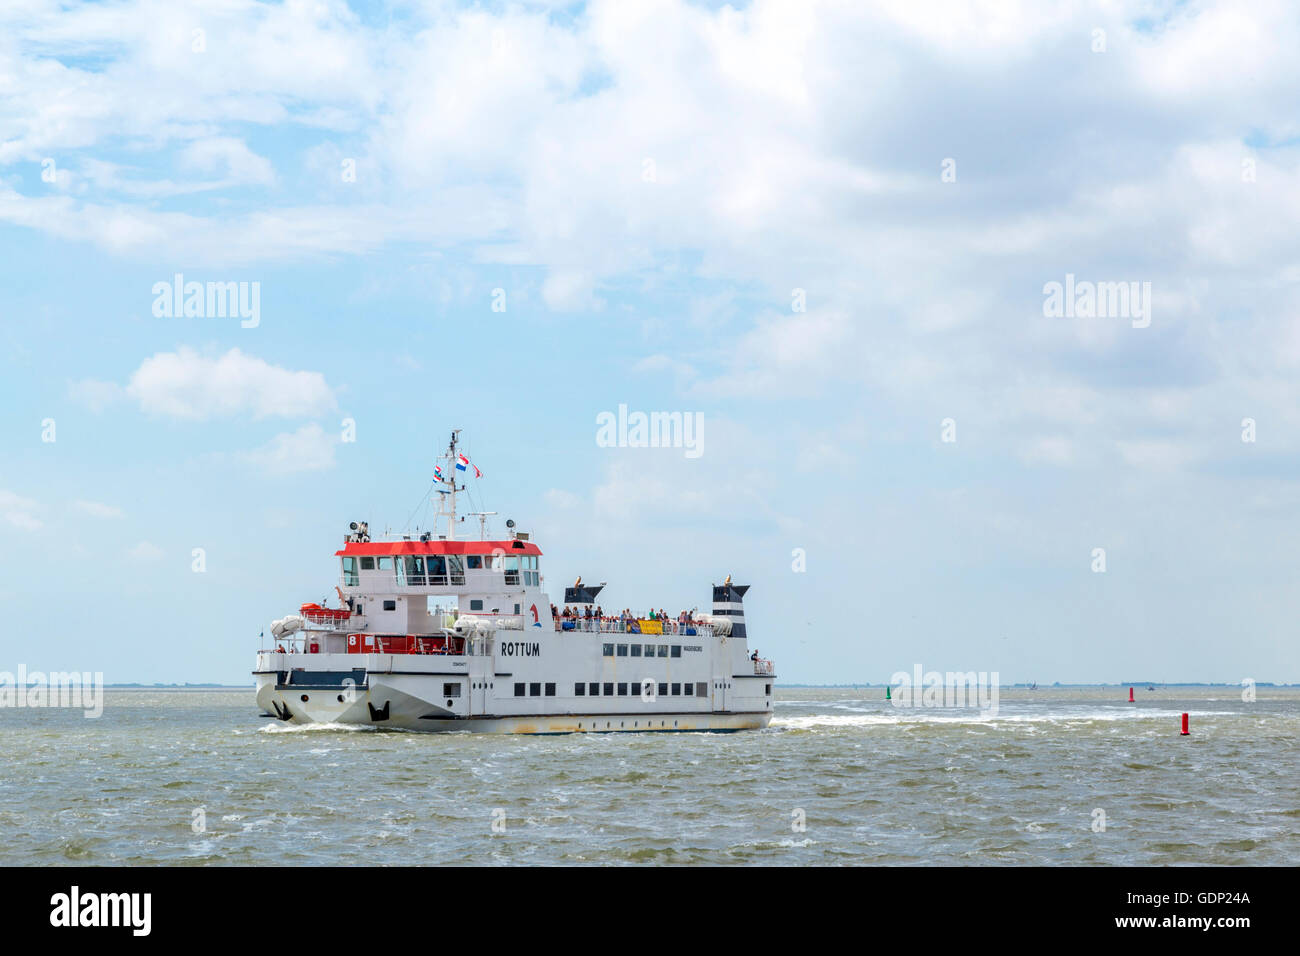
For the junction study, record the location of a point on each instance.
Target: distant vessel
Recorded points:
(493, 655)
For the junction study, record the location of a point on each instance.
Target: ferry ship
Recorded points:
(438, 633)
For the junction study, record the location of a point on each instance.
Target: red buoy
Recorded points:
(1185, 730)
(1130, 695)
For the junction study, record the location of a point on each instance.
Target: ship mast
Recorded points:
(447, 499)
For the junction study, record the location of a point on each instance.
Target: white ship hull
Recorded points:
(291, 691)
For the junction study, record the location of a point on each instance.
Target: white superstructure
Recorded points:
(433, 633)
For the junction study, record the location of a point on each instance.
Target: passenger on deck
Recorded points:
(754, 656)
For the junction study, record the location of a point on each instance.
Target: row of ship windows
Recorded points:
(443, 569)
(623, 650)
(596, 689)
(593, 689)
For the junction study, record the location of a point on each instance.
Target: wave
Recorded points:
(905, 716)
(280, 727)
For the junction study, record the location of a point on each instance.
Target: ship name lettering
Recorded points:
(521, 649)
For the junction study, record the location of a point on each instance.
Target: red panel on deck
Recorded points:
(370, 548)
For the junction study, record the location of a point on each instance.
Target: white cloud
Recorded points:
(309, 448)
(186, 385)
(229, 158)
(98, 509)
(18, 511)
(568, 290)
(146, 551)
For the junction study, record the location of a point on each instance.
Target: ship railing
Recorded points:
(764, 667)
(300, 642)
(295, 643)
(327, 622)
(666, 628)
(413, 580)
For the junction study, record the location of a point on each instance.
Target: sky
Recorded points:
(826, 231)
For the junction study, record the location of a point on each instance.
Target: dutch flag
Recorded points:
(461, 462)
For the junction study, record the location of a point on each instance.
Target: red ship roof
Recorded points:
(367, 548)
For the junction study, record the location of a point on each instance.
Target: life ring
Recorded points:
(315, 648)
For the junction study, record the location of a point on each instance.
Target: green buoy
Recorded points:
(887, 697)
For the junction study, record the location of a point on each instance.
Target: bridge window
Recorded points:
(512, 569)
(456, 569)
(410, 570)
(474, 562)
(383, 564)
(367, 564)
(349, 572)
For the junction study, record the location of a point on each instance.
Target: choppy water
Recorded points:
(874, 784)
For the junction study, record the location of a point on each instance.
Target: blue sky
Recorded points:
(654, 186)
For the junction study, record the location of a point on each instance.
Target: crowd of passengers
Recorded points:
(597, 615)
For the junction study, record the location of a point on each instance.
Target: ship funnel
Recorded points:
(728, 602)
